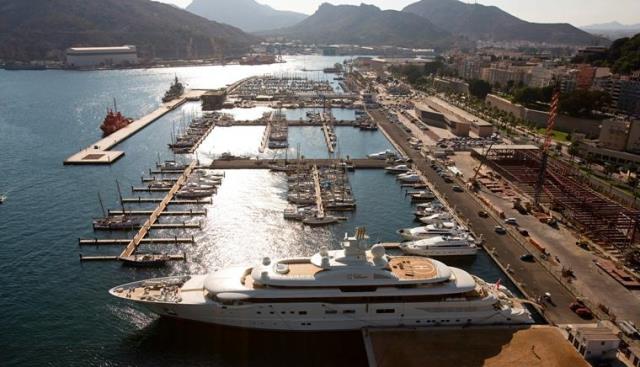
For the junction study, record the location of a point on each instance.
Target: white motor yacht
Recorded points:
(383, 155)
(430, 230)
(437, 218)
(409, 177)
(346, 289)
(461, 245)
(401, 168)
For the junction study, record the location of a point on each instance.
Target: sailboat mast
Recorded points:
(104, 212)
(120, 196)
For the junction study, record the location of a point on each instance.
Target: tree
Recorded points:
(433, 68)
(527, 96)
(581, 103)
(479, 88)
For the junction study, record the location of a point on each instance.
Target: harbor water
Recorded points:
(56, 310)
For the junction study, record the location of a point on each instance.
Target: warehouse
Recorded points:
(101, 56)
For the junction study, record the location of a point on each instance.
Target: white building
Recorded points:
(595, 343)
(97, 56)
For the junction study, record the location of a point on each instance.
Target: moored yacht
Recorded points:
(344, 289)
(430, 230)
(460, 245)
(383, 155)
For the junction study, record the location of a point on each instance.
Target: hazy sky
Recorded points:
(577, 12)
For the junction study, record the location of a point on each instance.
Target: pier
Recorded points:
(151, 223)
(137, 240)
(318, 192)
(141, 200)
(100, 153)
(266, 163)
(328, 132)
(183, 213)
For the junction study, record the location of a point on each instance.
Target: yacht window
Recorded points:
(358, 289)
(302, 312)
(386, 310)
(330, 312)
(349, 311)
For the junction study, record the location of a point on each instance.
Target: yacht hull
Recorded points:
(334, 317)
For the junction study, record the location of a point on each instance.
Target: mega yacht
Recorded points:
(460, 245)
(345, 289)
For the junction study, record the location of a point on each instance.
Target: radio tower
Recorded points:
(553, 115)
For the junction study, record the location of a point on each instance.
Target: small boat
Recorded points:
(402, 168)
(422, 196)
(161, 185)
(3, 198)
(171, 165)
(145, 260)
(116, 223)
(383, 155)
(195, 193)
(436, 218)
(409, 177)
(175, 91)
(320, 221)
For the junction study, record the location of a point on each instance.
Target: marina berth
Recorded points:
(387, 154)
(351, 288)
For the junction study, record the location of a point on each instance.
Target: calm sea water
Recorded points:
(56, 310)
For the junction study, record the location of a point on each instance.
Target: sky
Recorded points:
(576, 12)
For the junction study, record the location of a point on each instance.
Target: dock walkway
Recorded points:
(316, 185)
(100, 152)
(266, 163)
(148, 225)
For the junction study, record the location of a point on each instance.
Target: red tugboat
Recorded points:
(114, 121)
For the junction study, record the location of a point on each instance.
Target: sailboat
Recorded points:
(121, 222)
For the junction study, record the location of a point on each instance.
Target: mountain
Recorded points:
(39, 29)
(480, 22)
(247, 15)
(613, 30)
(365, 25)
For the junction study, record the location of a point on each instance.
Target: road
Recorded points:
(533, 278)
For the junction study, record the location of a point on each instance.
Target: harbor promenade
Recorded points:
(100, 153)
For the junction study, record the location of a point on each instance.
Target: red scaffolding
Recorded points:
(608, 223)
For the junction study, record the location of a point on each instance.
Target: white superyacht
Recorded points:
(344, 289)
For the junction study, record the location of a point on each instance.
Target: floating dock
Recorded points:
(185, 213)
(141, 200)
(137, 240)
(100, 153)
(265, 163)
(144, 241)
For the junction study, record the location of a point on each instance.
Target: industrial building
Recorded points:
(82, 57)
(434, 111)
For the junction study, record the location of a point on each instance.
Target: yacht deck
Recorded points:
(413, 268)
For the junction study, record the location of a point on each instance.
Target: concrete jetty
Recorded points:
(100, 153)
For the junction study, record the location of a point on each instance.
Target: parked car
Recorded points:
(511, 221)
(500, 230)
(457, 188)
(528, 258)
(483, 214)
(523, 231)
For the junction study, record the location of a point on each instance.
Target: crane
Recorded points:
(551, 123)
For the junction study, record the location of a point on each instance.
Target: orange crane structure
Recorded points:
(553, 116)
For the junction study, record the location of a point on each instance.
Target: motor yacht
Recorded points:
(383, 155)
(430, 230)
(346, 289)
(401, 168)
(461, 245)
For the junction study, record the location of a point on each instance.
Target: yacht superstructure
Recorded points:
(344, 289)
